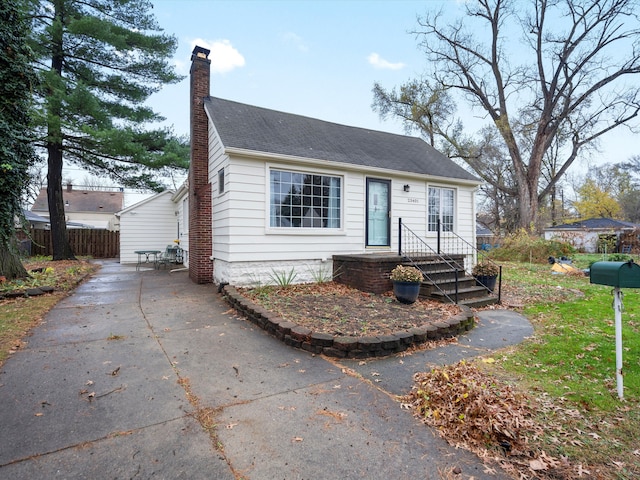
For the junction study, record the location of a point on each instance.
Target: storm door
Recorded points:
(378, 231)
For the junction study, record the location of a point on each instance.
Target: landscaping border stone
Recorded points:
(27, 292)
(347, 346)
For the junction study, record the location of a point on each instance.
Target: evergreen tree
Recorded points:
(99, 61)
(16, 151)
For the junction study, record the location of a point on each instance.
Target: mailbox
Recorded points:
(616, 274)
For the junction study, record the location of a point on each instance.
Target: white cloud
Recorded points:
(378, 62)
(295, 40)
(224, 56)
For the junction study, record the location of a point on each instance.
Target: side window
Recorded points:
(221, 181)
(441, 209)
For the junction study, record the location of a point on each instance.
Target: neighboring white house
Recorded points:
(284, 193)
(148, 225)
(585, 234)
(84, 208)
(34, 221)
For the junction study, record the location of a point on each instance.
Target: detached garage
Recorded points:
(151, 224)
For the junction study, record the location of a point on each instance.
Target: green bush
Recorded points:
(618, 257)
(525, 247)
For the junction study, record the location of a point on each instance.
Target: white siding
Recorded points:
(181, 204)
(96, 220)
(247, 251)
(148, 225)
(585, 241)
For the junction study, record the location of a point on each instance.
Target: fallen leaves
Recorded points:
(475, 410)
(471, 407)
(338, 416)
(337, 309)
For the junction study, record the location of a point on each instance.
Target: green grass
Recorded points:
(570, 363)
(18, 316)
(573, 352)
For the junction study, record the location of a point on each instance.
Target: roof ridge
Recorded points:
(313, 119)
(260, 129)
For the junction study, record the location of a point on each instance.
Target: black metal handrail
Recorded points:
(412, 248)
(455, 243)
(448, 245)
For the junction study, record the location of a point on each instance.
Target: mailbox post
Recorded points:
(617, 275)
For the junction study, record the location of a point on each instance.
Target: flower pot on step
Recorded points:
(406, 292)
(487, 281)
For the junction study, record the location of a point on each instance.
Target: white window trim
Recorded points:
(221, 185)
(455, 207)
(303, 231)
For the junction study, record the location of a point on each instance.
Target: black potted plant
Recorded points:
(406, 283)
(486, 274)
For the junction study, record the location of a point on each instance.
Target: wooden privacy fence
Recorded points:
(86, 242)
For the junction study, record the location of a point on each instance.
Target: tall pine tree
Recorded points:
(16, 152)
(99, 61)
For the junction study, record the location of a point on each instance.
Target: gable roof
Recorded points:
(82, 201)
(269, 131)
(595, 224)
(145, 201)
(34, 218)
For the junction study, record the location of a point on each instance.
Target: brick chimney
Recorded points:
(200, 218)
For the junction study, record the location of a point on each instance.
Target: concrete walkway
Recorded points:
(103, 389)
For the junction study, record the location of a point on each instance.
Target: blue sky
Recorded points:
(318, 58)
(314, 58)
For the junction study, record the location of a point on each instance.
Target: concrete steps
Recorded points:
(441, 282)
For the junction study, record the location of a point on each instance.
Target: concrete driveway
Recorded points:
(112, 382)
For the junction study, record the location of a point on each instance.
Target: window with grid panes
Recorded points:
(440, 208)
(304, 200)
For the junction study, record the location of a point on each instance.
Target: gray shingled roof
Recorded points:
(34, 218)
(595, 223)
(269, 131)
(82, 201)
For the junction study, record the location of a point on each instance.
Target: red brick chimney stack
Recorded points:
(200, 211)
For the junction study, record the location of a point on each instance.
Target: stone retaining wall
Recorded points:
(346, 346)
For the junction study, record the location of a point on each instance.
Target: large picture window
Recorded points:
(441, 208)
(304, 200)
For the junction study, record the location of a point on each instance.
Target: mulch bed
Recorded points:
(340, 310)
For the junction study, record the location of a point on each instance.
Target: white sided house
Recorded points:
(274, 194)
(591, 235)
(151, 224)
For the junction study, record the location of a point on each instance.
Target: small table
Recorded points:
(147, 257)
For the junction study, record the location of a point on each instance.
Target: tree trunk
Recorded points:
(59, 237)
(10, 265)
(528, 206)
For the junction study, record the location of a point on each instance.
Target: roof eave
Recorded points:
(294, 159)
(144, 201)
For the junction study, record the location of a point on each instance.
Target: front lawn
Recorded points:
(19, 315)
(566, 420)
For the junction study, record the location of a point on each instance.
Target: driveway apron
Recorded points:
(113, 382)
